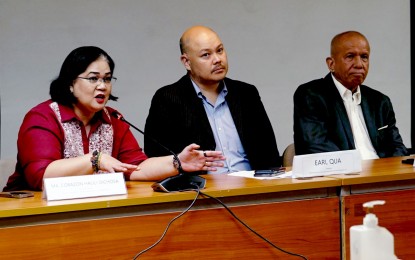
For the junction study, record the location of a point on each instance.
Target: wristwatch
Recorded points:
(176, 164)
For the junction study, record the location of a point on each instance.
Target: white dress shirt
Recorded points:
(357, 121)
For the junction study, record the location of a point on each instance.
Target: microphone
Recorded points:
(179, 182)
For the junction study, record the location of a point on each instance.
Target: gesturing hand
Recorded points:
(195, 160)
(107, 163)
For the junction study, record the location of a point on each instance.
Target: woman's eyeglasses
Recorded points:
(106, 80)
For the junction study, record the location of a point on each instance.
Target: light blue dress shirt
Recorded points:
(224, 131)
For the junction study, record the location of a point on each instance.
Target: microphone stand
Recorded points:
(180, 182)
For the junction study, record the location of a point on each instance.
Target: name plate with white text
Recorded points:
(323, 164)
(84, 186)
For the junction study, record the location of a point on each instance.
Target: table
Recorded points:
(301, 216)
(383, 179)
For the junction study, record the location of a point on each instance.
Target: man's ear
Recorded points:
(330, 63)
(185, 60)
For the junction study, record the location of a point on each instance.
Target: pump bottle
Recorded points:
(370, 241)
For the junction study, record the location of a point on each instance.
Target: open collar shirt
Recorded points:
(357, 121)
(224, 131)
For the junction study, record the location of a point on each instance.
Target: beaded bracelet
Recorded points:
(95, 160)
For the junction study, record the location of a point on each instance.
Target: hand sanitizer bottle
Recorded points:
(370, 241)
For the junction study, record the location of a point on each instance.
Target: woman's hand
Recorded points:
(193, 160)
(107, 163)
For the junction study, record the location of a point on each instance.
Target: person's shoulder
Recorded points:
(314, 84)
(185, 80)
(314, 87)
(243, 88)
(42, 105)
(38, 115)
(240, 89)
(373, 94)
(175, 88)
(41, 108)
(366, 90)
(238, 83)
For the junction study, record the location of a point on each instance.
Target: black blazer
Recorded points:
(321, 123)
(177, 118)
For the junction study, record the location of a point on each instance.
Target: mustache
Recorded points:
(218, 67)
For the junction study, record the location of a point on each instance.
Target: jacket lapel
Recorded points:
(198, 111)
(234, 106)
(340, 109)
(369, 118)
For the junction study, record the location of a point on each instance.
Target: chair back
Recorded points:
(288, 155)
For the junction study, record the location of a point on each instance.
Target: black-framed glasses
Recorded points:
(96, 80)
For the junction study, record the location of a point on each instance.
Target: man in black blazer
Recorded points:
(339, 113)
(206, 108)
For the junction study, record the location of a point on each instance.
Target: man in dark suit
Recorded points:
(339, 113)
(206, 108)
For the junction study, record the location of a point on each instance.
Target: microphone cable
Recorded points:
(249, 228)
(198, 193)
(170, 222)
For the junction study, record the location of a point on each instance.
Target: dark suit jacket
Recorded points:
(177, 118)
(321, 123)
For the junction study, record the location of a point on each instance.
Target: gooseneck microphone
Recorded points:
(117, 115)
(180, 182)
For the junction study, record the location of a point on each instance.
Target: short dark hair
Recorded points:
(75, 63)
(182, 45)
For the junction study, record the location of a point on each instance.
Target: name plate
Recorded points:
(323, 164)
(84, 186)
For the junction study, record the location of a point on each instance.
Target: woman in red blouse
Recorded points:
(74, 133)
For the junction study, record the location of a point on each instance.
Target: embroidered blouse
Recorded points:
(51, 132)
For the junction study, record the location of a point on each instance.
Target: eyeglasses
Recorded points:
(106, 80)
